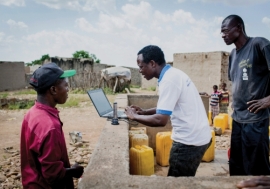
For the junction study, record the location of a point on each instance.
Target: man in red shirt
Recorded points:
(44, 158)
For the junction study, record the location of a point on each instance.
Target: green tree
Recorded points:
(96, 60)
(44, 57)
(81, 54)
(39, 61)
(85, 54)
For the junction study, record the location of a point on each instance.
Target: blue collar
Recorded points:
(168, 66)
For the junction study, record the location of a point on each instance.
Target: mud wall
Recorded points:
(88, 72)
(12, 76)
(205, 69)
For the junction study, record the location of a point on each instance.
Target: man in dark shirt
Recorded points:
(44, 158)
(249, 65)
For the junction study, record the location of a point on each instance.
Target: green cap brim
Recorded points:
(68, 73)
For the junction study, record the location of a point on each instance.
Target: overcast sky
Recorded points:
(115, 30)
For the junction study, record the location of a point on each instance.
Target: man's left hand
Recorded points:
(257, 105)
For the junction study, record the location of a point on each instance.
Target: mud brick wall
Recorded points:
(12, 76)
(205, 69)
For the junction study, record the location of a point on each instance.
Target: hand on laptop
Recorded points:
(130, 112)
(138, 109)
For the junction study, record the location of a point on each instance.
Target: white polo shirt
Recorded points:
(179, 98)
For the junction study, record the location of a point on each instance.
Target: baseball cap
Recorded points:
(46, 75)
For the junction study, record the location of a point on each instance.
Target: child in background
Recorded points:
(224, 102)
(214, 101)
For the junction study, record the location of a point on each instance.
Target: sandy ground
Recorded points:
(83, 118)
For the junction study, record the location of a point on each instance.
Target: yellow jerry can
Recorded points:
(209, 155)
(139, 139)
(163, 148)
(226, 116)
(210, 118)
(141, 160)
(131, 133)
(230, 122)
(220, 121)
(138, 128)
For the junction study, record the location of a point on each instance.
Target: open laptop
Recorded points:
(102, 104)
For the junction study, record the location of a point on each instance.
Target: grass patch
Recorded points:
(3, 95)
(77, 91)
(25, 92)
(135, 86)
(152, 89)
(71, 102)
(21, 105)
(108, 91)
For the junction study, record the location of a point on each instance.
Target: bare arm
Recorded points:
(203, 93)
(257, 105)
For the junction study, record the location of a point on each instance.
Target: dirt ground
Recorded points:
(83, 118)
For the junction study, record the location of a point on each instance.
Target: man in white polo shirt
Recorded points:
(179, 100)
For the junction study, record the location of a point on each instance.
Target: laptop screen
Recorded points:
(100, 101)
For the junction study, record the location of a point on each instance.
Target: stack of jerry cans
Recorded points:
(220, 121)
(141, 160)
(209, 155)
(163, 148)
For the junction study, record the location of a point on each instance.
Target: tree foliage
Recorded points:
(85, 54)
(39, 61)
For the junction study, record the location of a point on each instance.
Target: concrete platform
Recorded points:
(109, 166)
(218, 167)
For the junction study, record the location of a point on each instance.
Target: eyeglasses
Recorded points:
(226, 32)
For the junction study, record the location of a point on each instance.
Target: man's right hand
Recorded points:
(138, 109)
(78, 170)
(74, 171)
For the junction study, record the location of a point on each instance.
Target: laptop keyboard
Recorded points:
(119, 114)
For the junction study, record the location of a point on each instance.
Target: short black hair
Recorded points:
(215, 87)
(236, 19)
(152, 52)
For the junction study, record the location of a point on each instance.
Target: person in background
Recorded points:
(215, 98)
(179, 100)
(224, 101)
(44, 157)
(249, 65)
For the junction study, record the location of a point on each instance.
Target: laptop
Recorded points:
(102, 104)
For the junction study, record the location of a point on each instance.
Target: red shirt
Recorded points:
(43, 149)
